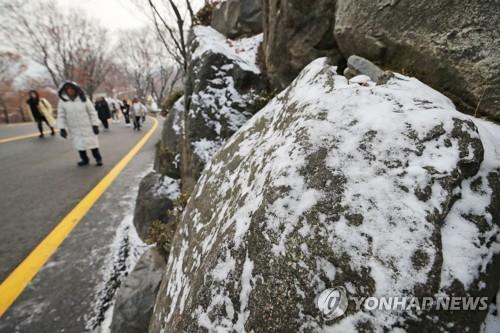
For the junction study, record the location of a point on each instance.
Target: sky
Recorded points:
(114, 14)
(117, 15)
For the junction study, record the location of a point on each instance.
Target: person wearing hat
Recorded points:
(77, 118)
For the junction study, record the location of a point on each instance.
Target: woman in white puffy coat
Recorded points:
(77, 117)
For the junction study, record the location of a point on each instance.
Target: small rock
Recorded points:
(358, 65)
(136, 296)
(155, 198)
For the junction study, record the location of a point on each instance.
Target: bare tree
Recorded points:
(172, 20)
(148, 66)
(10, 66)
(69, 45)
(136, 56)
(164, 82)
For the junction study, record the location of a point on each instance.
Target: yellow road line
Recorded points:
(21, 137)
(14, 284)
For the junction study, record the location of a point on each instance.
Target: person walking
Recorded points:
(114, 105)
(77, 117)
(41, 111)
(137, 111)
(103, 111)
(125, 107)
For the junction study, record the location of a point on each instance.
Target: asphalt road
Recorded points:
(13, 130)
(39, 184)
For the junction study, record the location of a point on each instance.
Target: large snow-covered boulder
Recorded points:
(453, 46)
(222, 91)
(385, 190)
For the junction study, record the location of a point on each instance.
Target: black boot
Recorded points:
(84, 158)
(40, 128)
(52, 132)
(97, 156)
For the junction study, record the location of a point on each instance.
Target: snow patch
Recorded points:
(242, 51)
(168, 187)
(206, 149)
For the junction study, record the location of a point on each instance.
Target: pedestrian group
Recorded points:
(78, 118)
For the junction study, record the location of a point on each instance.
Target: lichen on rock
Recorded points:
(336, 183)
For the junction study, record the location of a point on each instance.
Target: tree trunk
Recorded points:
(23, 117)
(6, 115)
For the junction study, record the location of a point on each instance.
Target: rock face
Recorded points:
(167, 157)
(136, 296)
(383, 189)
(222, 91)
(295, 33)
(451, 45)
(236, 18)
(155, 198)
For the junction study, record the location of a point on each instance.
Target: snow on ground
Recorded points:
(124, 252)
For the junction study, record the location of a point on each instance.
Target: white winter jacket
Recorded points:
(77, 118)
(138, 110)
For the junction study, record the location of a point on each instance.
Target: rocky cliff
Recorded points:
(451, 45)
(295, 33)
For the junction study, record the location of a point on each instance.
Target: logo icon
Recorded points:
(332, 302)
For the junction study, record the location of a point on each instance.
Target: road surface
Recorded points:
(39, 184)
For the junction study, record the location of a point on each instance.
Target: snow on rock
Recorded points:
(205, 149)
(242, 52)
(384, 189)
(156, 196)
(492, 322)
(223, 90)
(167, 188)
(177, 109)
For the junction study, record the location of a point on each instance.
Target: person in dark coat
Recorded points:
(125, 107)
(103, 111)
(40, 108)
